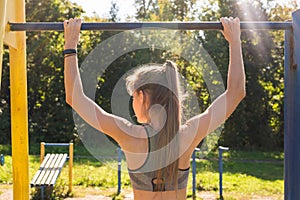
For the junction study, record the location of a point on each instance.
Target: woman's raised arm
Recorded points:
(225, 104)
(116, 127)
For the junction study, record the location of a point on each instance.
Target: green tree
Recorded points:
(114, 9)
(146, 9)
(50, 119)
(5, 101)
(249, 127)
(258, 121)
(273, 78)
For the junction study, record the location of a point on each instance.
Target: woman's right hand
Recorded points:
(72, 32)
(232, 30)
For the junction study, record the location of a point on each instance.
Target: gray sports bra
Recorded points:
(144, 179)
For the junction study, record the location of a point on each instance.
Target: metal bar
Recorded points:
(119, 170)
(121, 26)
(292, 111)
(220, 174)
(57, 144)
(221, 149)
(194, 173)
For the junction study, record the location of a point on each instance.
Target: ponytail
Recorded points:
(169, 135)
(161, 82)
(174, 87)
(172, 77)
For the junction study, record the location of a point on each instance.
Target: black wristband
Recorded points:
(69, 51)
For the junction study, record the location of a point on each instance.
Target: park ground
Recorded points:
(247, 175)
(90, 193)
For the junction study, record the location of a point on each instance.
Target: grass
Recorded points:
(247, 175)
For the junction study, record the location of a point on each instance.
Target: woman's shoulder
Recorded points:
(136, 133)
(139, 132)
(136, 144)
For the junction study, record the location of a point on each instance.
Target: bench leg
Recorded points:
(42, 192)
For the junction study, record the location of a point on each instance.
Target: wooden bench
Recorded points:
(51, 166)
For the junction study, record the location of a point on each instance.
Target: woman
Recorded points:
(158, 151)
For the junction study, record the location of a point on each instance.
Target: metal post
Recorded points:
(42, 152)
(71, 153)
(194, 173)
(19, 110)
(42, 192)
(220, 173)
(292, 111)
(119, 169)
(221, 149)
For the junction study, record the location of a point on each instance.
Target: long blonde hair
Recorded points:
(161, 83)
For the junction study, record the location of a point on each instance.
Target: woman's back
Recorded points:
(143, 175)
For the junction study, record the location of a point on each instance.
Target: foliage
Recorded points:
(259, 118)
(4, 101)
(50, 119)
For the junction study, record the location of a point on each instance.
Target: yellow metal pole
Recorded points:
(71, 150)
(19, 111)
(42, 153)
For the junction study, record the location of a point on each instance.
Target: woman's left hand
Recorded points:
(72, 32)
(232, 30)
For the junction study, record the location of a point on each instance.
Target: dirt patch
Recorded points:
(90, 193)
(6, 192)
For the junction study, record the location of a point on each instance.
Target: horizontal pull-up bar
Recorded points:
(120, 26)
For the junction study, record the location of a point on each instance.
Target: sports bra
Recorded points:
(145, 179)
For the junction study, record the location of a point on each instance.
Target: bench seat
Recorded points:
(49, 170)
